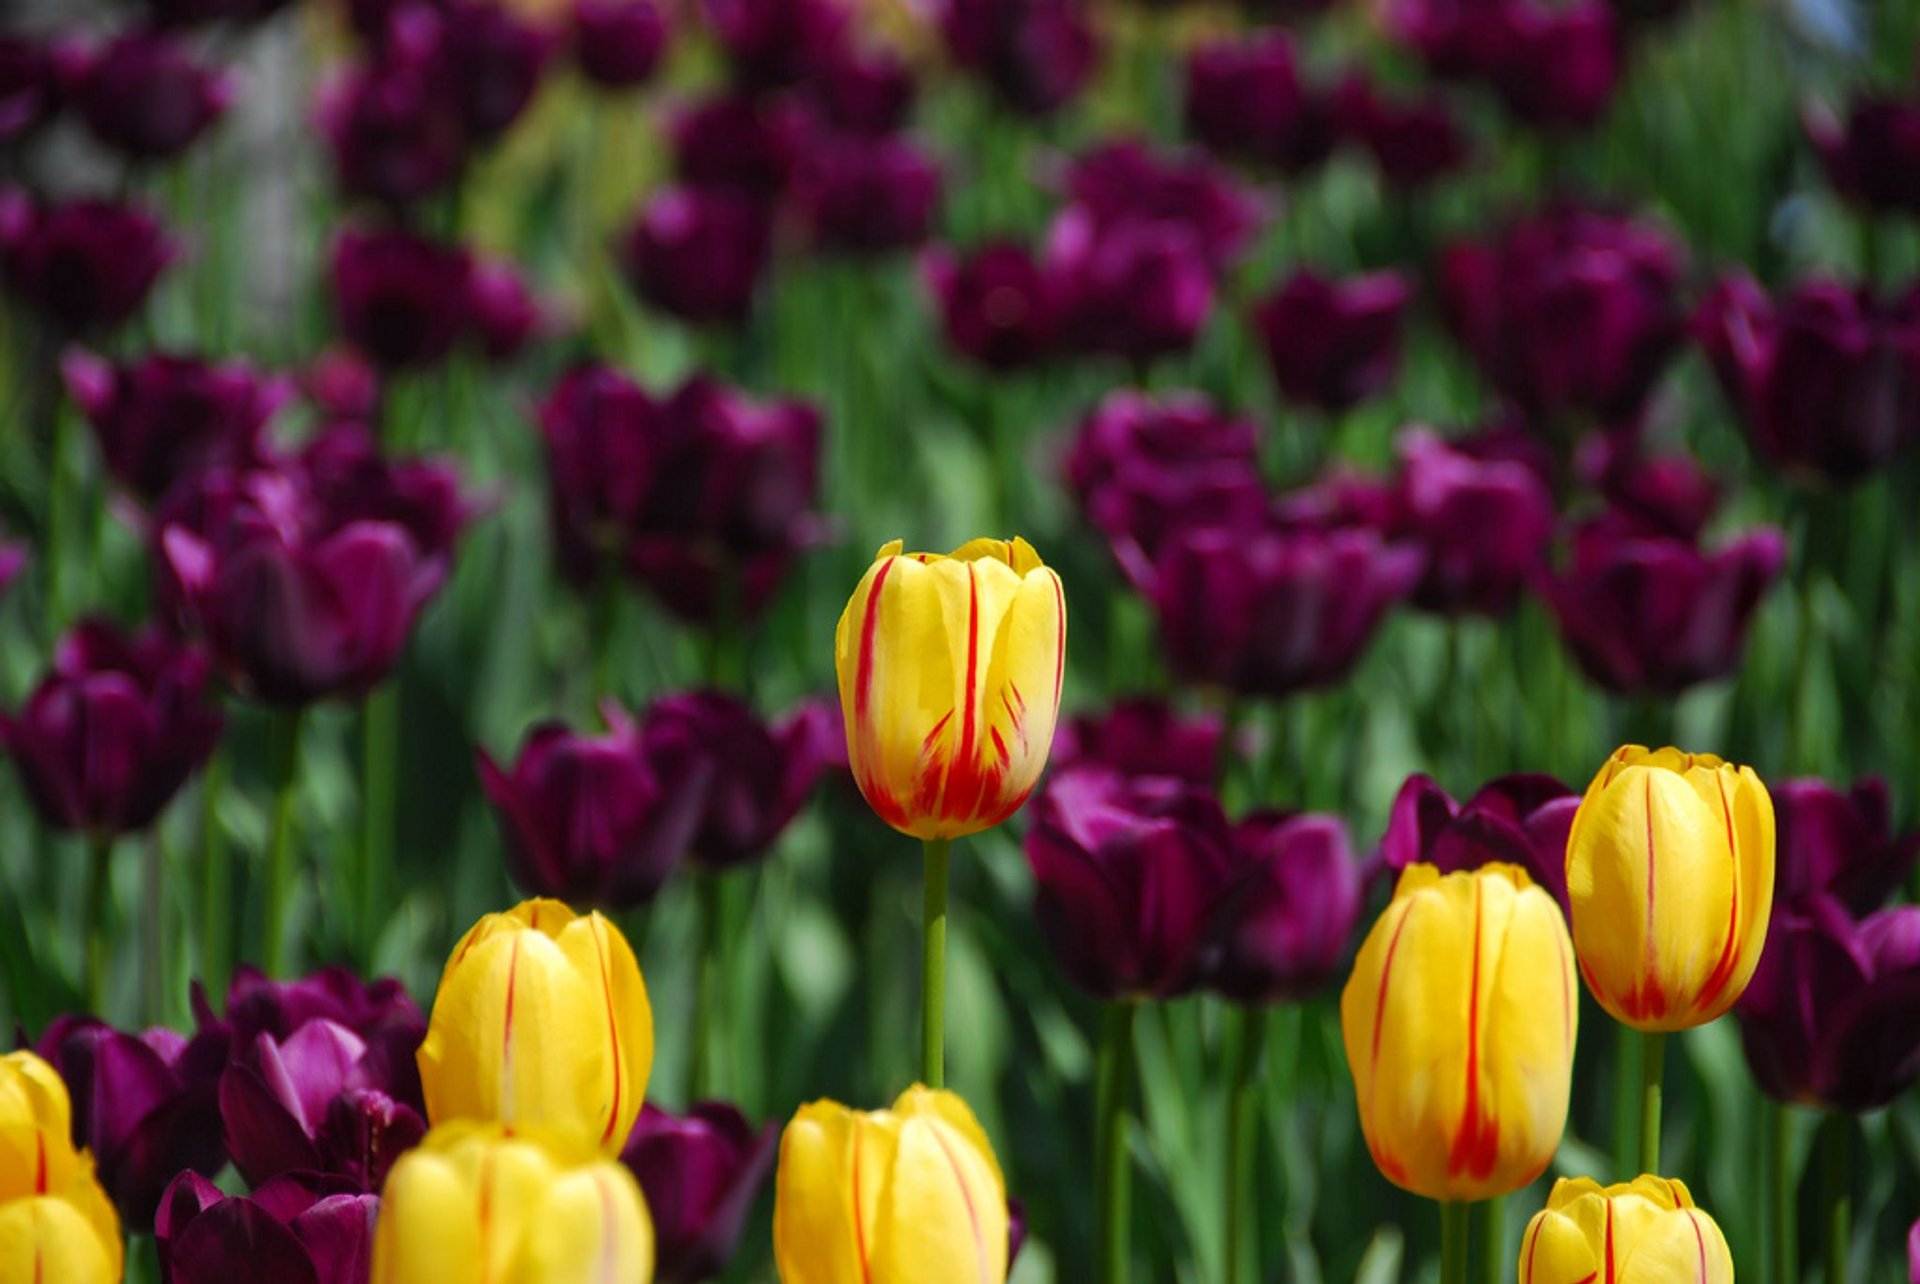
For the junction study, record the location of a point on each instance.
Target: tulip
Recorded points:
(1246, 100)
(889, 1196)
(700, 1173)
(1558, 66)
(343, 385)
(302, 1228)
(1871, 154)
(55, 1221)
(143, 94)
(1665, 494)
(1633, 1232)
(739, 143)
(1288, 912)
(1459, 1021)
(84, 266)
(29, 86)
(596, 424)
(758, 776)
(494, 61)
(1412, 141)
(997, 304)
(1127, 182)
(864, 92)
(506, 314)
(400, 298)
(1333, 344)
(164, 417)
(772, 44)
(1826, 380)
(618, 44)
(1035, 55)
(1516, 820)
(541, 1021)
(352, 480)
(374, 1010)
(1483, 517)
(1136, 290)
(395, 134)
(1839, 844)
(1143, 736)
(486, 1204)
(699, 253)
(863, 195)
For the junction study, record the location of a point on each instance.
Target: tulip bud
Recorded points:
(85, 265)
(55, 1221)
(541, 1021)
(1646, 1229)
(912, 1194)
(476, 1204)
(700, 1173)
(950, 670)
(1670, 882)
(1459, 1021)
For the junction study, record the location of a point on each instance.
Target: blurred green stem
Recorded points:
(1453, 1243)
(100, 856)
(1113, 1169)
(933, 972)
(153, 979)
(379, 756)
(60, 501)
(1626, 1083)
(711, 949)
(603, 615)
(1653, 1058)
(1489, 1240)
(216, 881)
(1245, 1041)
(1782, 1251)
(1839, 1197)
(273, 952)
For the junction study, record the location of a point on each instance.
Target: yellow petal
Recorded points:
(624, 1022)
(589, 1226)
(943, 1214)
(1555, 1250)
(816, 1229)
(43, 1238)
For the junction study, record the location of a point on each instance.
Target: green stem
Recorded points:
(1489, 1233)
(379, 756)
(1653, 1056)
(152, 931)
(711, 950)
(216, 881)
(1453, 1243)
(1113, 1168)
(603, 617)
(933, 973)
(1839, 1197)
(280, 848)
(1626, 1082)
(100, 855)
(1783, 1252)
(1246, 1040)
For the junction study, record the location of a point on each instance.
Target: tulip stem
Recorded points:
(1839, 1193)
(1453, 1242)
(380, 732)
(701, 1080)
(100, 856)
(933, 973)
(1653, 1058)
(155, 990)
(1246, 1039)
(216, 874)
(1782, 1188)
(1113, 1169)
(280, 847)
(1489, 1240)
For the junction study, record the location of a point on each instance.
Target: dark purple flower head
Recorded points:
(1558, 66)
(1246, 100)
(1839, 844)
(1126, 182)
(772, 44)
(142, 93)
(1826, 379)
(1872, 157)
(1519, 820)
(349, 477)
(399, 297)
(1832, 1015)
(1569, 309)
(598, 425)
(700, 1172)
(1484, 519)
(393, 128)
(618, 44)
(758, 776)
(1143, 736)
(110, 735)
(1135, 290)
(863, 92)
(343, 386)
(700, 253)
(1646, 613)
(164, 417)
(373, 1010)
(1128, 876)
(505, 313)
(144, 1104)
(301, 1228)
(83, 266)
(494, 61)
(1669, 494)
(998, 306)
(1412, 141)
(1333, 343)
(597, 820)
(29, 85)
(1036, 55)
(1282, 931)
(860, 194)
(738, 142)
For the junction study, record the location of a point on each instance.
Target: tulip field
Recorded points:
(959, 641)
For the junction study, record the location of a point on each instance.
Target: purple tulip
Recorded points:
(393, 129)
(347, 475)
(618, 44)
(1246, 100)
(1832, 1015)
(1143, 736)
(1670, 494)
(110, 735)
(1558, 66)
(29, 86)
(1333, 343)
(1569, 309)
(600, 820)
(738, 142)
(1282, 931)
(1136, 290)
(700, 253)
(493, 62)
(504, 312)
(1521, 820)
(1826, 380)
(1125, 182)
(863, 92)
(343, 386)
(1016, 1231)
(998, 306)
(143, 94)
(301, 1228)
(863, 195)
(772, 44)
(1412, 141)
(164, 417)
(1646, 613)
(700, 1173)
(86, 265)
(1036, 55)
(374, 1010)
(144, 1104)
(598, 426)
(399, 297)
(1484, 519)
(1839, 844)
(1872, 157)
(758, 776)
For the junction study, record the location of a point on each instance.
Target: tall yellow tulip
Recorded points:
(56, 1223)
(541, 1020)
(1647, 1231)
(1459, 1021)
(474, 1204)
(1670, 883)
(910, 1195)
(950, 673)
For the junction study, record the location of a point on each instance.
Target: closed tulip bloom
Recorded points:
(998, 306)
(1289, 911)
(772, 44)
(541, 1021)
(1519, 820)
(1646, 1231)
(1839, 843)
(143, 94)
(950, 670)
(1136, 290)
(1035, 55)
(597, 424)
(506, 314)
(758, 776)
(84, 266)
(1459, 1021)
(618, 44)
(1484, 517)
(1126, 181)
(1143, 736)
(372, 1009)
(701, 1173)
(739, 142)
(911, 1195)
(1670, 879)
(399, 297)
(866, 195)
(1412, 141)
(394, 132)
(1662, 494)
(1557, 66)
(55, 1221)
(864, 91)
(1872, 155)
(301, 1228)
(699, 253)
(494, 62)
(1246, 100)
(1332, 344)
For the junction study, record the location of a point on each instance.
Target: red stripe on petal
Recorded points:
(1476, 1146)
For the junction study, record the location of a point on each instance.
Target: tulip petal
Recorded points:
(47, 1238)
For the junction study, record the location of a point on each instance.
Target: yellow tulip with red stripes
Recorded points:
(1670, 881)
(1646, 1231)
(1459, 1022)
(911, 1195)
(542, 1021)
(56, 1222)
(950, 670)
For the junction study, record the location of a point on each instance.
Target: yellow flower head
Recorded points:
(56, 1223)
(1646, 1231)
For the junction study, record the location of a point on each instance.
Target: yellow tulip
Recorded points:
(910, 1195)
(1459, 1021)
(476, 1204)
(541, 1021)
(56, 1223)
(1642, 1232)
(950, 673)
(1670, 882)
